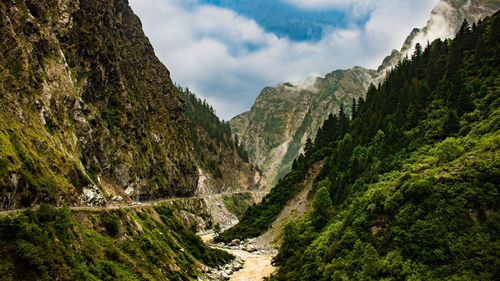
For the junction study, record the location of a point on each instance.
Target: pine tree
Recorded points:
(353, 109)
(418, 50)
(451, 123)
(290, 238)
(308, 149)
(464, 102)
(236, 143)
(343, 122)
(322, 207)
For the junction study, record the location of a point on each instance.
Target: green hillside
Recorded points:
(123, 244)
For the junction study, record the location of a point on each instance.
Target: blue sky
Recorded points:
(288, 20)
(226, 51)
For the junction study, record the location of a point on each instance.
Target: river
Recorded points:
(257, 265)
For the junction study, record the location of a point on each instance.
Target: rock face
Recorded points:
(445, 21)
(276, 128)
(82, 98)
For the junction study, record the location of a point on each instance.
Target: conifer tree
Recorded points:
(451, 123)
(322, 207)
(353, 109)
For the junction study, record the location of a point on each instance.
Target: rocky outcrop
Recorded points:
(222, 272)
(282, 118)
(83, 97)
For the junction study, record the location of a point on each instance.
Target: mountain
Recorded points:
(88, 111)
(445, 21)
(284, 117)
(222, 162)
(227, 183)
(407, 188)
(90, 116)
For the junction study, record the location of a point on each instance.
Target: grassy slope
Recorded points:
(123, 244)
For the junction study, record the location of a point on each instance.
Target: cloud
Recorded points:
(227, 58)
(331, 4)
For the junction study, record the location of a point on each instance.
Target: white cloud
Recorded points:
(205, 47)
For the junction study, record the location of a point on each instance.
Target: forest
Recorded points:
(410, 185)
(202, 118)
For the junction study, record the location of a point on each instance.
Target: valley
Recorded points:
(257, 263)
(110, 171)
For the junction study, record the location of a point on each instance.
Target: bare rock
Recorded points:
(250, 248)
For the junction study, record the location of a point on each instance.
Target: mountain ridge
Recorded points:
(297, 112)
(444, 22)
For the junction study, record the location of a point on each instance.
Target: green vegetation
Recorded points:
(38, 165)
(110, 106)
(238, 203)
(125, 244)
(322, 207)
(413, 179)
(294, 146)
(200, 113)
(259, 217)
(210, 135)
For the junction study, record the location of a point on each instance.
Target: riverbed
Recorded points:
(257, 265)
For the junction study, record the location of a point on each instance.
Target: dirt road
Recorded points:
(134, 204)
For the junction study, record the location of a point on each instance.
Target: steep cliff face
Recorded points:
(284, 117)
(445, 21)
(87, 111)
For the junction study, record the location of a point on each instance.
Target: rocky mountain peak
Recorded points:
(444, 22)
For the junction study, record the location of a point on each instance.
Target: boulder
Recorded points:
(226, 276)
(250, 248)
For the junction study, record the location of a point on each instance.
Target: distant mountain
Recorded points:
(282, 118)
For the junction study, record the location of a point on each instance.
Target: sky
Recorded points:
(227, 51)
